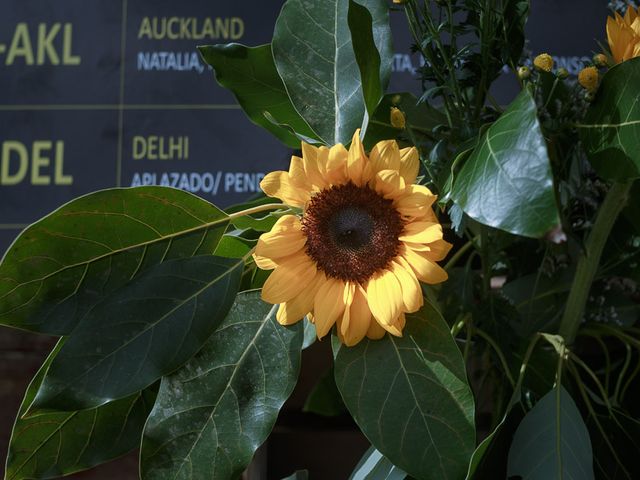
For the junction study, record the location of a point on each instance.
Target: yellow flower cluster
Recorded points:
(623, 34)
(588, 78)
(544, 62)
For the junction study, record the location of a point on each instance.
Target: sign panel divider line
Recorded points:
(123, 54)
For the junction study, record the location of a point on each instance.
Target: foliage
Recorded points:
(526, 362)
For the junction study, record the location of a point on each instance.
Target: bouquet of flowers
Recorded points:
(474, 266)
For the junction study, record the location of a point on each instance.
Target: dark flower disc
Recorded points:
(352, 232)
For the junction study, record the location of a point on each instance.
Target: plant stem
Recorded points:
(590, 258)
(258, 209)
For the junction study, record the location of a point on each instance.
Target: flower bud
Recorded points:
(397, 118)
(589, 96)
(543, 62)
(588, 78)
(600, 60)
(524, 72)
(562, 73)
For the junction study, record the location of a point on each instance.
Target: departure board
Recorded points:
(113, 93)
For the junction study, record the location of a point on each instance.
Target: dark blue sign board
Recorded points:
(101, 93)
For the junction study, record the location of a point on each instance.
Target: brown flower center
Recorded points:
(352, 232)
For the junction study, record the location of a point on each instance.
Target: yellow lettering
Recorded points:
(59, 177)
(45, 44)
(67, 44)
(152, 147)
(237, 28)
(38, 161)
(170, 33)
(222, 27)
(145, 28)
(20, 45)
(6, 177)
(139, 147)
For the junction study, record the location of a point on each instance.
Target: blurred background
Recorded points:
(103, 93)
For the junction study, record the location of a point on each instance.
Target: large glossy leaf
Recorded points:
(410, 397)
(507, 181)
(499, 438)
(249, 72)
(213, 413)
(314, 56)
(610, 132)
(375, 466)
(60, 443)
(552, 442)
(138, 333)
(62, 265)
(367, 56)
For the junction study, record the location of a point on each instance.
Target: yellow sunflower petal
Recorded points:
(411, 291)
(284, 239)
(310, 160)
(278, 184)
(297, 175)
(421, 232)
(328, 305)
(415, 201)
(289, 279)
(409, 164)
(389, 183)
(384, 295)
(375, 332)
(264, 263)
(385, 155)
(295, 309)
(359, 319)
(356, 160)
(426, 270)
(438, 250)
(336, 167)
(396, 327)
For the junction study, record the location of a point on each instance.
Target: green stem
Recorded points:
(590, 258)
(258, 209)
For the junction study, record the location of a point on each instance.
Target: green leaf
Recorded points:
(499, 438)
(234, 246)
(367, 56)
(420, 118)
(375, 466)
(314, 56)
(310, 334)
(610, 132)
(324, 398)
(64, 264)
(213, 413)
(507, 182)
(552, 442)
(61, 443)
(141, 332)
(249, 72)
(410, 397)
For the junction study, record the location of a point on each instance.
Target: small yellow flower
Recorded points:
(524, 72)
(399, 1)
(366, 237)
(588, 78)
(600, 60)
(623, 34)
(397, 118)
(544, 62)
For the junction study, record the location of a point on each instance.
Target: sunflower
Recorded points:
(623, 34)
(366, 237)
